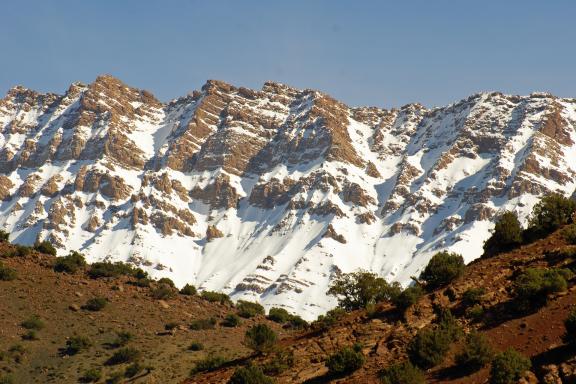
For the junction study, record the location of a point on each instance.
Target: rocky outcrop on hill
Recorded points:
(109, 170)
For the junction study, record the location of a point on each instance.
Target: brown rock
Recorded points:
(212, 233)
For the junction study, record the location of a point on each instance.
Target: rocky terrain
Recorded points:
(269, 194)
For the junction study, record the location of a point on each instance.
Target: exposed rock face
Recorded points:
(111, 171)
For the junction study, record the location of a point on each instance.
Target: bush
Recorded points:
(279, 315)
(18, 251)
(569, 234)
(475, 313)
(77, 344)
(123, 356)
(360, 289)
(473, 296)
(171, 325)
(260, 338)
(95, 304)
(210, 363)
(45, 247)
(429, 347)
(476, 352)
(402, 373)
(107, 269)
(4, 236)
(133, 369)
(551, 212)
(163, 292)
(196, 346)
(188, 290)
(533, 285)
(345, 361)
(329, 319)
(442, 269)
(202, 324)
(33, 322)
(508, 366)
(249, 375)
(91, 376)
(144, 282)
(167, 281)
(122, 338)
(448, 325)
(281, 362)
(506, 236)
(408, 297)
(30, 335)
(248, 309)
(570, 324)
(216, 297)
(296, 322)
(231, 320)
(115, 378)
(6, 273)
(70, 263)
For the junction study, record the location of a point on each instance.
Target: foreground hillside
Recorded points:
(265, 194)
(383, 333)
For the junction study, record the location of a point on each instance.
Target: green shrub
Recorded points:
(569, 234)
(549, 214)
(17, 352)
(358, 290)
(402, 373)
(506, 236)
(429, 347)
(216, 297)
(279, 315)
(171, 325)
(115, 377)
(408, 297)
(6, 273)
(107, 269)
(260, 338)
(95, 304)
(442, 269)
(508, 366)
(209, 363)
(19, 251)
(202, 324)
(91, 376)
(281, 362)
(123, 356)
(196, 346)
(473, 296)
(163, 292)
(476, 352)
(345, 361)
(249, 375)
(570, 325)
(247, 309)
(4, 236)
(70, 263)
(448, 325)
(33, 322)
(296, 322)
(329, 319)
(231, 320)
(45, 247)
(30, 335)
(188, 290)
(122, 338)
(475, 313)
(533, 285)
(77, 344)
(167, 281)
(144, 282)
(133, 369)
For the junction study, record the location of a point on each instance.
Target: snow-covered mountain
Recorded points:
(267, 195)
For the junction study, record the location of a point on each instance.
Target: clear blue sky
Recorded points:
(361, 52)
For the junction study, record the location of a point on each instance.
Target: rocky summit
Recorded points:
(270, 194)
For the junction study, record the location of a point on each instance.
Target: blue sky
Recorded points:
(361, 52)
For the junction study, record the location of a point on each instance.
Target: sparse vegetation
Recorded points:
(6, 379)
(402, 373)
(473, 296)
(345, 361)
(188, 290)
(532, 286)
(122, 338)
(360, 289)
(570, 325)
(202, 324)
(442, 269)
(163, 292)
(30, 335)
(231, 320)
(70, 263)
(329, 319)
(250, 375)
(216, 297)
(408, 297)
(506, 236)
(260, 338)
(209, 363)
(7, 273)
(123, 356)
(77, 344)
(196, 346)
(45, 247)
(34, 322)
(282, 361)
(107, 269)
(91, 376)
(476, 352)
(249, 309)
(508, 366)
(95, 304)
(133, 369)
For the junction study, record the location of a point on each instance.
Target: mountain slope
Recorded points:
(269, 194)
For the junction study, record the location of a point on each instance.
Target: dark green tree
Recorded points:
(359, 289)
(442, 269)
(506, 236)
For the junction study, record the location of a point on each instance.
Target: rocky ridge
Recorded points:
(268, 194)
